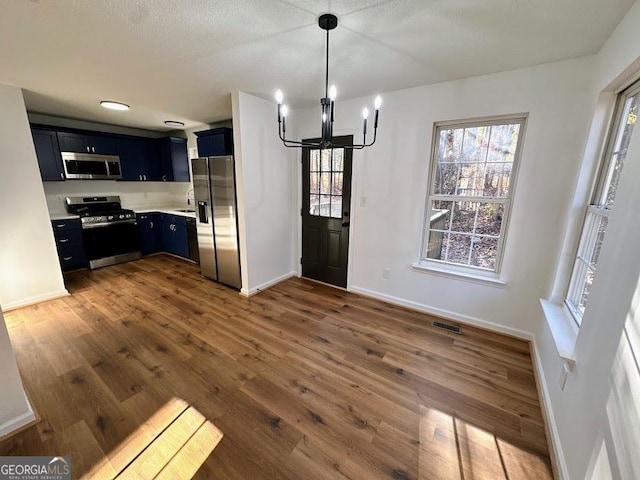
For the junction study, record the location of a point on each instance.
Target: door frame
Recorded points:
(353, 214)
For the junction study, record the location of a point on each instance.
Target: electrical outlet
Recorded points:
(363, 201)
(386, 273)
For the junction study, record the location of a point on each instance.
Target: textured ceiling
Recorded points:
(180, 60)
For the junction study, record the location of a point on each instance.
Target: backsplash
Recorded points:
(134, 195)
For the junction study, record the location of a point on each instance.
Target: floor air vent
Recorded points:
(447, 326)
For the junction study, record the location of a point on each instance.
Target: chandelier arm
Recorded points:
(295, 143)
(360, 146)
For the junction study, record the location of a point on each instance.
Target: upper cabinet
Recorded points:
(48, 153)
(81, 143)
(215, 142)
(175, 160)
(139, 159)
(142, 159)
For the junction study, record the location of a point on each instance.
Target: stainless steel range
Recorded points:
(109, 231)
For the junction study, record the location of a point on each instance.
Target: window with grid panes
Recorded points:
(594, 227)
(325, 182)
(473, 170)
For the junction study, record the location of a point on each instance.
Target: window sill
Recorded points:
(488, 278)
(563, 329)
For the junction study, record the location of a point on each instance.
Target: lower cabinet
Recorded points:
(161, 232)
(174, 235)
(149, 228)
(158, 232)
(69, 242)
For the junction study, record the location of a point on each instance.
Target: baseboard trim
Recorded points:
(34, 300)
(560, 467)
(17, 424)
(446, 314)
(248, 293)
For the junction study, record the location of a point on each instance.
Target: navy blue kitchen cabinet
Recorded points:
(174, 235)
(139, 159)
(215, 142)
(174, 159)
(87, 143)
(48, 153)
(150, 232)
(70, 244)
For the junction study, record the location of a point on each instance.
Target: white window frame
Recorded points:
(597, 210)
(507, 202)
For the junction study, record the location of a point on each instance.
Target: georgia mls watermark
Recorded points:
(35, 468)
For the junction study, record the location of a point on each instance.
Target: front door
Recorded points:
(326, 204)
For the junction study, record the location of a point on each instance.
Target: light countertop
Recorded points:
(163, 209)
(168, 210)
(62, 216)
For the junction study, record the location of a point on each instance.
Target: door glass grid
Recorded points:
(325, 182)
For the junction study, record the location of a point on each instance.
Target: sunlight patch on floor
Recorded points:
(172, 444)
(451, 448)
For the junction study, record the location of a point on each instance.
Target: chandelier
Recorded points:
(327, 22)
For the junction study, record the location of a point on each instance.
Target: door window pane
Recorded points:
(336, 184)
(314, 166)
(326, 182)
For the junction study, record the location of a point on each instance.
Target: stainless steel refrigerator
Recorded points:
(214, 188)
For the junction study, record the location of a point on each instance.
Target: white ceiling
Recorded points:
(179, 60)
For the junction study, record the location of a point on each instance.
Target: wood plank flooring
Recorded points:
(304, 381)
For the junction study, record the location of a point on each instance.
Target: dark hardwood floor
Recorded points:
(303, 380)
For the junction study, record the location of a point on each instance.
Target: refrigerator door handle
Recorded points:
(202, 212)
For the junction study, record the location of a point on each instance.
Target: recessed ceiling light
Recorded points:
(114, 105)
(173, 123)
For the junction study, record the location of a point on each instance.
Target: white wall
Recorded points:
(15, 410)
(265, 178)
(392, 176)
(29, 268)
(134, 195)
(597, 416)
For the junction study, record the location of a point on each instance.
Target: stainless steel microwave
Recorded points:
(91, 166)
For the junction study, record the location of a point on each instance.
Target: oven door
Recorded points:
(111, 243)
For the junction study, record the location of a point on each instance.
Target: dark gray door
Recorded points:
(326, 202)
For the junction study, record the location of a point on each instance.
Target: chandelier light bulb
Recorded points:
(279, 96)
(365, 113)
(284, 110)
(333, 92)
(378, 102)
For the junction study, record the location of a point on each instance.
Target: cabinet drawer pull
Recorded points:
(66, 259)
(63, 240)
(150, 224)
(61, 225)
